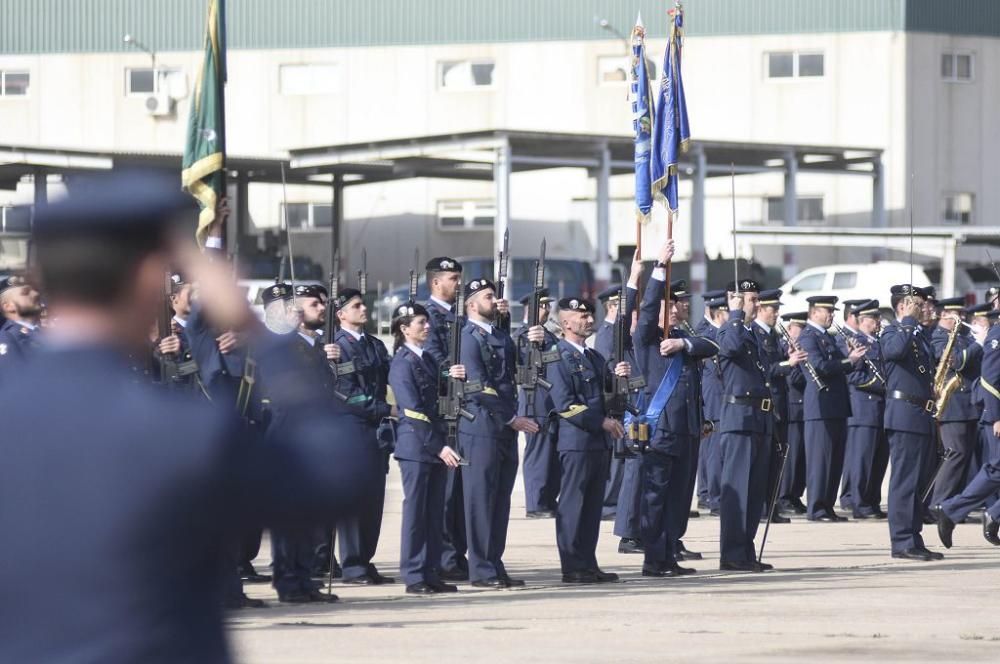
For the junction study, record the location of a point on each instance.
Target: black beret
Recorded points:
(409, 308)
(746, 286)
(930, 293)
(951, 303)
(991, 293)
(908, 289)
(679, 290)
(129, 203)
(346, 295)
(478, 285)
(576, 304)
(613, 291)
(797, 317)
(13, 281)
(443, 264)
(177, 281)
(771, 296)
(277, 291)
(310, 290)
(824, 301)
(866, 308)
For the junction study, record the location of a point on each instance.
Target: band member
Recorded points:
(793, 482)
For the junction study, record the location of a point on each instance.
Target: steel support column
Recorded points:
(699, 270)
(602, 264)
(790, 265)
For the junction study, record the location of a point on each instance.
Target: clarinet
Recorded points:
(852, 344)
(810, 369)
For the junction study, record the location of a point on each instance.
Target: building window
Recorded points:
(14, 83)
(793, 64)
(308, 79)
(466, 215)
(466, 74)
(957, 67)
(810, 210)
(15, 219)
(612, 70)
(309, 215)
(145, 81)
(958, 209)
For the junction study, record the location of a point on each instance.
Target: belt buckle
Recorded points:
(765, 405)
(930, 406)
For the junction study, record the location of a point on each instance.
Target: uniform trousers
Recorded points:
(578, 515)
(982, 488)
(292, 559)
(865, 464)
(453, 544)
(712, 451)
(793, 482)
(613, 488)
(359, 532)
(824, 444)
(960, 438)
(627, 525)
(541, 469)
(487, 483)
(908, 457)
(423, 520)
(745, 459)
(681, 495)
(658, 472)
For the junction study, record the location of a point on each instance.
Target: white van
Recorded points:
(849, 282)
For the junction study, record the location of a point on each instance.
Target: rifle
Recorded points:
(330, 328)
(452, 391)
(413, 275)
(503, 320)
(618, 398)
(531, 374)
(169, 369)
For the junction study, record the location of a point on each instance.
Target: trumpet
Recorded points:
(853, 344)
(810, 369)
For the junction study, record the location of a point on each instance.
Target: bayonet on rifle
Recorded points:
(618, 399)
(503, 320)
(531, 374)
(452, 391)
(330, 329)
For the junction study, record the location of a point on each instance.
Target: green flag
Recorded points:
(203, 174)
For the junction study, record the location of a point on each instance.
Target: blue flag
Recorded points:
(642, 123)
(672, 132)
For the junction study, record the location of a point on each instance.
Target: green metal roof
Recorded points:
(61, 26)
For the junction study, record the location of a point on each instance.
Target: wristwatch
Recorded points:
(660, 264)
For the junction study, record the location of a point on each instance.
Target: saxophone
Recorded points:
(944, 387)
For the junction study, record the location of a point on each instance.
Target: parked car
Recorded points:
(563, 277)
(850, 282)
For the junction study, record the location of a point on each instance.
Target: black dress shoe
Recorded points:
(605, 577)
(443, 587)
(683, 553)
(828, 517)
(694, 514)
(419, 589)
(582, 576)
(509, 582)
(244, 602)
(324, 572)
(541, 514)
(363, 580)
(714, 512)
(741, 566)
(380, 579)
(913, 554)
(945, 526)
(257, 578)
(776, 518)
(933, 554)
(793, 505)
(492, 582)
(702, 505)
(991, 528)
(629, 545)
(929, 519)
(677, 570)
(322, 597)
(297, 597)
(456, 574)
(655, 571)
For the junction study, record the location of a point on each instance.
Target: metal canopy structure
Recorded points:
(493, 155)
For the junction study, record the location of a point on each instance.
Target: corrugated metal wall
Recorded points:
(41, 26)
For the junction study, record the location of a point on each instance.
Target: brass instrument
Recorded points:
(853, 343)
(944, 387)
(810, 369)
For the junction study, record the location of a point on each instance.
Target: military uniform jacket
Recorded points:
(778, 369)
(17, 344)
(220, 373)
(604, 337)
(966, 361)
(909, 369)
(744, 375)
(489, 359)
(441, 320)
(832, 366)
(990, 381)
(711, 375)
(414, 381)
(363, 375)
(543, 404)
(682, 416)
(579, 380)
(795, 381)
(867, 391)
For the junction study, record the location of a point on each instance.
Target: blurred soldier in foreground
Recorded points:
(22, 309)
(147, 485)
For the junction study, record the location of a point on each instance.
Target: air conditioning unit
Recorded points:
(159, 105)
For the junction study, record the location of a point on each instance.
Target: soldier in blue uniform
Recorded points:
(21, 304)
(444, 278)
(490, 441)
(959, 420)
(674, 430)
(867, 446)
(420, 450)
(986, 483)
(541, 459)
(909, 420)
(826, 411)
(850, 328)
(709, 454)
(793, 482)
(177, 345)
(746, 429)
(147, 484)
(578, 385)
(610, 299)
(362, 377)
